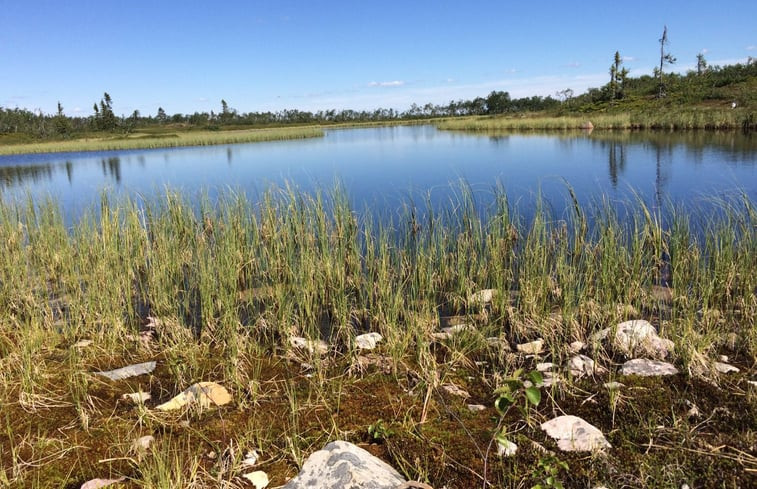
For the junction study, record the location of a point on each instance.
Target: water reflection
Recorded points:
(112, 168)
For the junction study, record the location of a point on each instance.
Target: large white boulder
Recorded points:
(573, 434)
(637, 338)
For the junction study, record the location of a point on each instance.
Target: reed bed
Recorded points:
(229, 281)
(664, 119)
(167, 140)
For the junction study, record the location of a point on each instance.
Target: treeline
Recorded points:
(622, 92)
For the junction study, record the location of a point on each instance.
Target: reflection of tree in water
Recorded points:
(661, 172)
(69, 170)
(112, 167)
(17, 176)
(616, 161)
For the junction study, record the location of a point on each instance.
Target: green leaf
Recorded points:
(533, 394)
(503, 402)
(536, 377)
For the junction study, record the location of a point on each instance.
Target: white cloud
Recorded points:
(704, 51)
(573, 64)
(751, 48)
(77, 110)
(393, 83)
(628, 59)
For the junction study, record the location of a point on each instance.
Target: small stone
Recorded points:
(613, 386)
(251, 459)
(368, 341)
(573, 434)
(203, 393)
(455, 390)
(753, 383)
(312, 346)
(82, 343)
(497, 342)
(259, 479)
(142, 443)
(725, 368)
(212, 455)
(576, 347)
(647, 368)
(531, 348)
(98, 483)
(137, 397)
(506, 448)
(693, 411)
(476, 408)
(545, 367)
(549, 379)
(723, 358)
(581, 365)
(483, 297)
(129, 371)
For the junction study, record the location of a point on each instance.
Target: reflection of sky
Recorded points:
(382, 168)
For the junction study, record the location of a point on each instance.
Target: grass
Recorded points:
(646, 118)
(164, 140)
(231, 280)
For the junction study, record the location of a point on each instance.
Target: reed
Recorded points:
(168, 140)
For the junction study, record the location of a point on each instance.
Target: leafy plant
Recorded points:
(379, 432)
(520, 384)
(547, 470)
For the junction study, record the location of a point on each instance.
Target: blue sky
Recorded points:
(311, 54)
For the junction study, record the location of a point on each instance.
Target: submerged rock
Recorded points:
(637, 338)
(129, 371)
(368, 341)
(205, 394)
(647, 368)
(573, 434)
(342, 465)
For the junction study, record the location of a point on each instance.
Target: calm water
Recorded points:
(382, 168)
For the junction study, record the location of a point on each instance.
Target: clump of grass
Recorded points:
(151, 141)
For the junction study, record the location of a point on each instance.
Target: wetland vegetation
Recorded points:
(216, 291)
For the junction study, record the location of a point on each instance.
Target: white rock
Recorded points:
(613, 386)
(647, 368)
(573, 434)
(753, 383)
(637, 337)
(137, 397)
(342, 465)
(725, 368)
(98, 483)
(545, 367)
(455, 390)
(506, 448)
(482, 297)
(368, 341)
(532, 347)
(497, 342)
(723, 358)
(258, 478)
(142, 443)
(475, 408)
(86, 343)
(576, 347)
(312, 346)
(129, 371)
(205, 394)
(549, 379)
(251, 459)
(581, 365)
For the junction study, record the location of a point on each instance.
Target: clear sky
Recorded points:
(185, 56)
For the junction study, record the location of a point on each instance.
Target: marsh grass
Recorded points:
(169, 140)
(222, 285)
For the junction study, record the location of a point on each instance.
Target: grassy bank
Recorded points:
(662, 119)
(164, 140)
(230, 282)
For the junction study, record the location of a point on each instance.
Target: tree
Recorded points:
(701, 64)
(162, 115)
(498, 102)
(665, 58)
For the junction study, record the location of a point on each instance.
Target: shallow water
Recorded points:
(384, 168)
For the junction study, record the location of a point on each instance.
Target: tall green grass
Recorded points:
(179, 138)
(237, 274)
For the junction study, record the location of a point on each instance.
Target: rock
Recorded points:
(581, 365)
(753, 383)
(576, 347)
(455, 390)
(368, 341)
(82, 343)
(545, 367)
(258, 478)
(725, 368)
(251, 459)
(476, 408)
(613, 386)
(130, 371)
(312, 346)
(203, 393)
(637, 338)
(506, 448)
(586, 126)
(447, 321)
(98, 483)
(142, 443)
(137, 397)
(483, 297)
(573, 434)
(693, 411)
(342, 465)
(531, 348)
(723, 358)
(497, 342)
(647, 368)
(549, 379)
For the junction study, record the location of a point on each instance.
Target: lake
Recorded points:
(384, 168)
